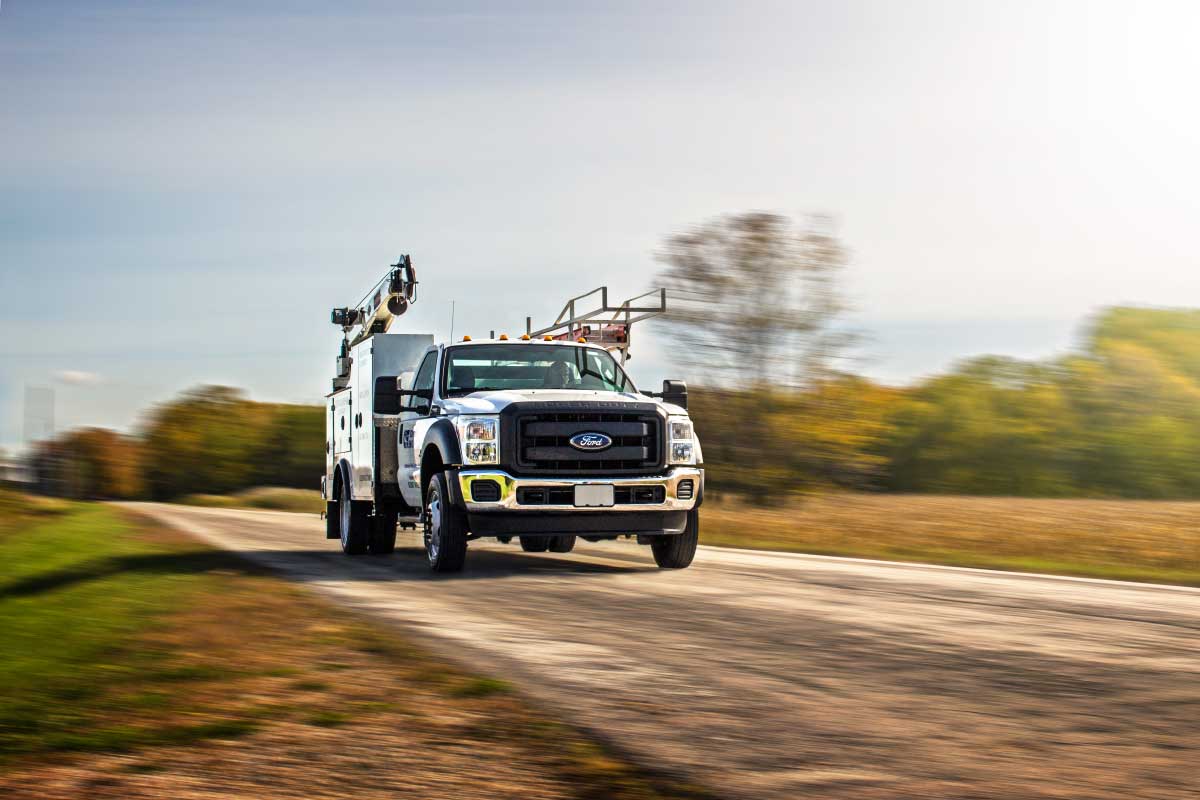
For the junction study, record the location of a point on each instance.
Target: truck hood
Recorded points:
(495, 402)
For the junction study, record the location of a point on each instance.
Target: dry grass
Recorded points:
(274, 498)
(224, 681)
(18, 509)
(1121, 539)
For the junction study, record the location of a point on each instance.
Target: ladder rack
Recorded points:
(607, 325)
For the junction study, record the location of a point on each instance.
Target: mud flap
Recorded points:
(331, 521)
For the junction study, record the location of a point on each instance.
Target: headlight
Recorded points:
(478, 436)
(684, 449)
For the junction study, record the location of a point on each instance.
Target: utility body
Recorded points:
(541, 438)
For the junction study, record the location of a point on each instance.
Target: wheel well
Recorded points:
(431, 463)
(339, 472)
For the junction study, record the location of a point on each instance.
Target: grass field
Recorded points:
(1150, 541)
(133, 658)
(1138, 540)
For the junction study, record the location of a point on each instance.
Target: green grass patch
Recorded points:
(327, 719)
(77, 592)
(310, 686)
(120, 636)
(479, 687)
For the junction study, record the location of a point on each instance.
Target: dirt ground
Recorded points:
(778, 676)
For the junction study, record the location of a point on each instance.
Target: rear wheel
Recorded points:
(677, 550)
(353, 523)
(535, 544)
(445, 528)
(562, 544)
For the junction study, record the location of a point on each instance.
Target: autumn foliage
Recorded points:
(210, 440)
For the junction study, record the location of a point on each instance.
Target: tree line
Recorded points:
(209, 440)
(1118, 418)
(757, 315)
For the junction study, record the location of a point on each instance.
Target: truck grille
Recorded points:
(543, 442)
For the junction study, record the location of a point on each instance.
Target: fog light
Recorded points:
(681, 452)
(685, 489)
(486, 491)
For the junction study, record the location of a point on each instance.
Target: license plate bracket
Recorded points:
(593, 495)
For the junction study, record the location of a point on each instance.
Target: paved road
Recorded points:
(783, 676)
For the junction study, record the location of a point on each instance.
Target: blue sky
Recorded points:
(187, 188)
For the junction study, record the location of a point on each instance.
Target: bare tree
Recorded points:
(753, 298)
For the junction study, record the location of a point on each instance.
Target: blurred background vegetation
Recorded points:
(212, 440)
(1119, 418)
(780, 411)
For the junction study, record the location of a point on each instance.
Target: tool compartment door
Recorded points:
(341, 424)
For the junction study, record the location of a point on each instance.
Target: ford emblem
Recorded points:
(591, 441)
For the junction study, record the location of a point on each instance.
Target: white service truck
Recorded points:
(541, 437)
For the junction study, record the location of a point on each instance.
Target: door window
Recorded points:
(423, 382)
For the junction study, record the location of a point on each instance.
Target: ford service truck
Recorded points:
(542, 438)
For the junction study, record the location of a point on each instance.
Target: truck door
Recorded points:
(415, 408)
(341, 424)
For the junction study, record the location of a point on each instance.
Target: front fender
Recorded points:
(442, 437)
(440, 452)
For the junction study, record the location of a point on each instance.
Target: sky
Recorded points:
(186, 189)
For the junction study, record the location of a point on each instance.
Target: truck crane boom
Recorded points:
(375, 312)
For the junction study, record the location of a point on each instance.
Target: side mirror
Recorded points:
(420, 405)
(405, 379)
(674, 392)
(387, 397)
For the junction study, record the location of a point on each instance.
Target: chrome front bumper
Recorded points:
(510, 484)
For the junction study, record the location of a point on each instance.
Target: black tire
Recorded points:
(353, 523)
(676, 551)
(383, 533)
(535, 544)
(562, 544)
(445, 528)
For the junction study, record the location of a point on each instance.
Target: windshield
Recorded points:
(482, 368)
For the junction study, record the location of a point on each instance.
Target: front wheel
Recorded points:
(445, 528)
(561, 544)
(676, 551)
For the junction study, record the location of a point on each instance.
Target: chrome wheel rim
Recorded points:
(344, 517)
(433, 528)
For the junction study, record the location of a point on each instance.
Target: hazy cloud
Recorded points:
(76, 377)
